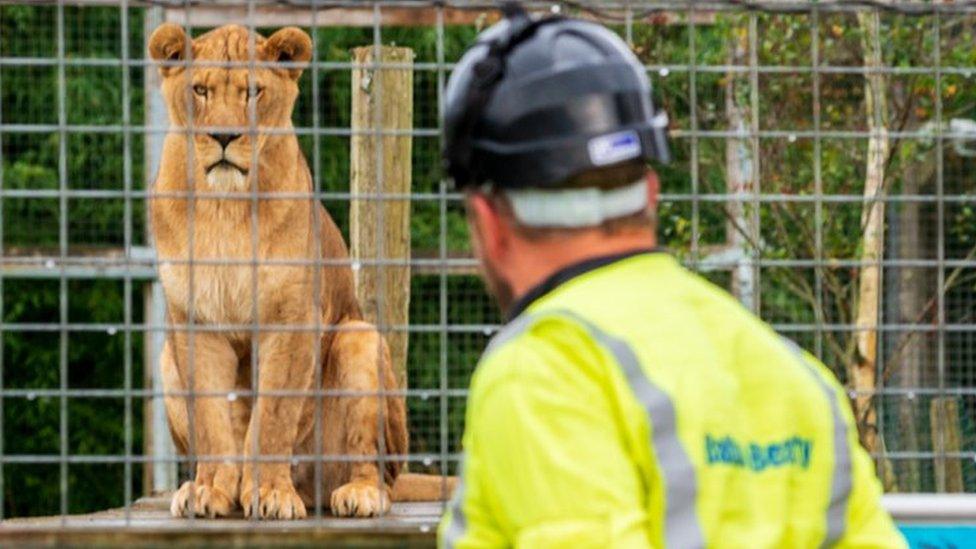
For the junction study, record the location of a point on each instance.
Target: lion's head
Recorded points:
(220, 97)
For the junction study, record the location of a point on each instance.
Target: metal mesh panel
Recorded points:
(781, 170)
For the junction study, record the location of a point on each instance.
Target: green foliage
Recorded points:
(31, 359)
(95, 426)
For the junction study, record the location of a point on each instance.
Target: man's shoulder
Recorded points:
(541, 349)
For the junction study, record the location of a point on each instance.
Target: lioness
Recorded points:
(204, 241)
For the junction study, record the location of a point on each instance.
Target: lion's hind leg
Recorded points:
(360, 363)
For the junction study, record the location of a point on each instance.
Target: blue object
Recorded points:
(940, 536)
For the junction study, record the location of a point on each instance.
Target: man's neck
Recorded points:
(552, 256)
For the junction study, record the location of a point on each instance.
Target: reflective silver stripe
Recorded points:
(840, 486)
(459, 523)
(508, 332)
(681, 528)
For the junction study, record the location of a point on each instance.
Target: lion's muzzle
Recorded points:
(224, 175)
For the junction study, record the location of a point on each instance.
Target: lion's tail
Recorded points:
(417, 487)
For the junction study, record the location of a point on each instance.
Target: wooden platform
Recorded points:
(149, 524)
(928, 520)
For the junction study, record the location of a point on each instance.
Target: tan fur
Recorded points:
(216, 357)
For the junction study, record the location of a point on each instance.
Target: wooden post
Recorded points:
(946, 439)
(379, 228)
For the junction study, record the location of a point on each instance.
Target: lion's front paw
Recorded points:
(360, 499)
(274, 502)
(207, 501)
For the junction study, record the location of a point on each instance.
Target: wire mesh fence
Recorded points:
(823, 153)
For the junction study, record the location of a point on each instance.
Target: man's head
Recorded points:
(548, 128)
(218, 89)
(515, 255)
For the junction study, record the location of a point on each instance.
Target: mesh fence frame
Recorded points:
(771, 92)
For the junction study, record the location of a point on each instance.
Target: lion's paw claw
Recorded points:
(201, 500)
(360, 499)
(274, 503)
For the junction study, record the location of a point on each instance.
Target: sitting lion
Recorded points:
(224, 275)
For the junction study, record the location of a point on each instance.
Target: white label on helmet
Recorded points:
(614, 147)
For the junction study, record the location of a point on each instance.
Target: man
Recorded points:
(627, 402)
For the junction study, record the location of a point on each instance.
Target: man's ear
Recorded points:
(290, 44)
(653, 190)
(168, 43)
(490, 228)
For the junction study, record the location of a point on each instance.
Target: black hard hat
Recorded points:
(537, 102)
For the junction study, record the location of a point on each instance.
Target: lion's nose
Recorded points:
(224, 138)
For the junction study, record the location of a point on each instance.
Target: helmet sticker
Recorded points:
(614, 147)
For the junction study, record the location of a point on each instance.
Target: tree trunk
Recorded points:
(742, 172)
(864, 369)
(908, 360)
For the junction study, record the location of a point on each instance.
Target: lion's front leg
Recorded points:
(285, 363)
(211, 363)
(360, 362)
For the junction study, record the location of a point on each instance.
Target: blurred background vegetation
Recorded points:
(808, 285)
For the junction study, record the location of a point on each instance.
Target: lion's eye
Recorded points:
(200, 90)
(255, 93)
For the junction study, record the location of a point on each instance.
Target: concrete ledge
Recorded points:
(931, 508)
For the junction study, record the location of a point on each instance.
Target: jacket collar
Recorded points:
(568, 273)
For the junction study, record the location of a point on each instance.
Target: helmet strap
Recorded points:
(487, 73)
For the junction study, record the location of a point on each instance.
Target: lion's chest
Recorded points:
(214, 289)
(213, 295)
(216, 268)
(216, 282)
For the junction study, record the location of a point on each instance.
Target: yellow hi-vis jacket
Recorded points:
(633, 404)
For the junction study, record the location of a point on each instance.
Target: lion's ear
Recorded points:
(168, 43)
(287, 45)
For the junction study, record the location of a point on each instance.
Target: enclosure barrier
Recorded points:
(822, 174)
